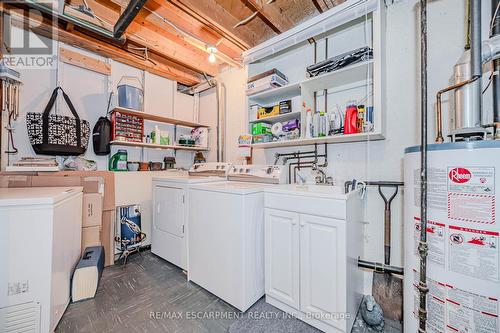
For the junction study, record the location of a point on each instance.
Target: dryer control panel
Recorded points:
(210, 169)
(272, 174)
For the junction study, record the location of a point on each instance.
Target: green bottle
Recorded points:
(118, 162)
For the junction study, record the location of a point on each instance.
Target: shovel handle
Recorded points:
(387, 220)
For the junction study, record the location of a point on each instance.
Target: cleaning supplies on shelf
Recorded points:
(322, 124)
(285, 106)
(351, 118)
(315, 128)
(118, 162)
(266, 81)
(271, 111)
(309, 124)
(361, 119)
(164, 138)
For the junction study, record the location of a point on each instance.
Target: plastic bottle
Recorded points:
(315, 127)
(327, 123)
(322, 124)
(309, 124)
(157, 138)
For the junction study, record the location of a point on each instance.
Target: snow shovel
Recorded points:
(387, 288)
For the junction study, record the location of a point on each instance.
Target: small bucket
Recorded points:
(130, 93)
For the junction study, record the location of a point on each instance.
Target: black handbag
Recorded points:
(51, 134)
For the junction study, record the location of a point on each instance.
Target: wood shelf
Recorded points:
(359, 137)
(156, 146)
(160, 119)
(280, 117)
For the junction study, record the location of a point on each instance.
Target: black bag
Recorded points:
(57, 135)
(101, 136)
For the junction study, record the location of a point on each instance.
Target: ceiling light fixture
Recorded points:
(212, 50)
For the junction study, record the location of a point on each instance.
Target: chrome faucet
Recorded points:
(321, 177)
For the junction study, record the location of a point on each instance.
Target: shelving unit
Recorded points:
(361, 82)
(155, 146)
(281, 117)
(282, 93)
(160, 119)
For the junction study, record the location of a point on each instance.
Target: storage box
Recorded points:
(286, 106)
(262, 138)
(261, 128)
(92, 210)
(269, 111)
(91, 236)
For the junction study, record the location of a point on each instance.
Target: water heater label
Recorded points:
(473, 252)
(435, 240)
(471, 194)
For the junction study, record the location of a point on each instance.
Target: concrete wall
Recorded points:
(382, 160)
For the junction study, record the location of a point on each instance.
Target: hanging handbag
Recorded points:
(51, 134)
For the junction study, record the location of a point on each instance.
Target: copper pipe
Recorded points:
(439, 116)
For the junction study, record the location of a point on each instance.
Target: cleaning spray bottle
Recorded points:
(309, 124)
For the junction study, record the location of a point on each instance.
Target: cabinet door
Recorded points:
(169, 210)
(323, 268)
(282, 256)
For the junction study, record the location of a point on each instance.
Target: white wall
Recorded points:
(382, 160)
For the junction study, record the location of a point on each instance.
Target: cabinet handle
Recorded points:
(294, 223)
(302, 224)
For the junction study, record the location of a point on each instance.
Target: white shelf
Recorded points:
(280, 117)
(275, 95)
(349, 75)
(156, 146)
(328, 139)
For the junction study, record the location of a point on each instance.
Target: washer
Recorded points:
(226, 234)
(171, 203)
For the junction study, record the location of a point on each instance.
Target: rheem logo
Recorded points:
(460, 175)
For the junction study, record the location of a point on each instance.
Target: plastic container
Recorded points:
(130, 93)
(118, 162)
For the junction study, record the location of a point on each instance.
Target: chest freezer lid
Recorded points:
(23, 196)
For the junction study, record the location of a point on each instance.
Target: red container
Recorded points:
(127, 127)
(351, 117)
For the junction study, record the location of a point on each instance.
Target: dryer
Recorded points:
(170, 205)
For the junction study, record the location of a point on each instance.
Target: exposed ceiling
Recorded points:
(175, 36)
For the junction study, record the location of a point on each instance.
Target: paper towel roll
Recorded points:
(277, 129)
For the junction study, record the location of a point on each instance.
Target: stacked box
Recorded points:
(261, 128)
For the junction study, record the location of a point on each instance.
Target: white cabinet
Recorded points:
(282, 254)
(322, 258)
(311, 253)
(168, 239)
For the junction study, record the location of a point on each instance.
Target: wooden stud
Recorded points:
(83, 61)
(160, 66)
(271, 15)
(218, 18)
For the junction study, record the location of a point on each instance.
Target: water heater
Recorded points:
(462, 235)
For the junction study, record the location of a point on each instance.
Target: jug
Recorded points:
(118, 162)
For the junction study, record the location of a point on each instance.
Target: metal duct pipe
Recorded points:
(472, 118)
(221, 120)
(495, 31)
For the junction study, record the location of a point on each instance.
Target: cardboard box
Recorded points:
(92, 210)
(107, 236)
(91, 236)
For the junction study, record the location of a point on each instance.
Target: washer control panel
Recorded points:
(274, 174)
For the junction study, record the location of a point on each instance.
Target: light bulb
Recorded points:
(211, 57)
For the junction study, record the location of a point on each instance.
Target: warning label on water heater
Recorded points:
(471, 194)
(473, 252)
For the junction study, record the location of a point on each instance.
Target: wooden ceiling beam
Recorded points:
(272, 15)
(158, 65)
(192, 26)
(158, 40)
(219, 19)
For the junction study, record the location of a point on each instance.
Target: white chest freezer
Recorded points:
(40, 237)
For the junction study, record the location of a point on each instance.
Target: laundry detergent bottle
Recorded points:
(118, 162)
